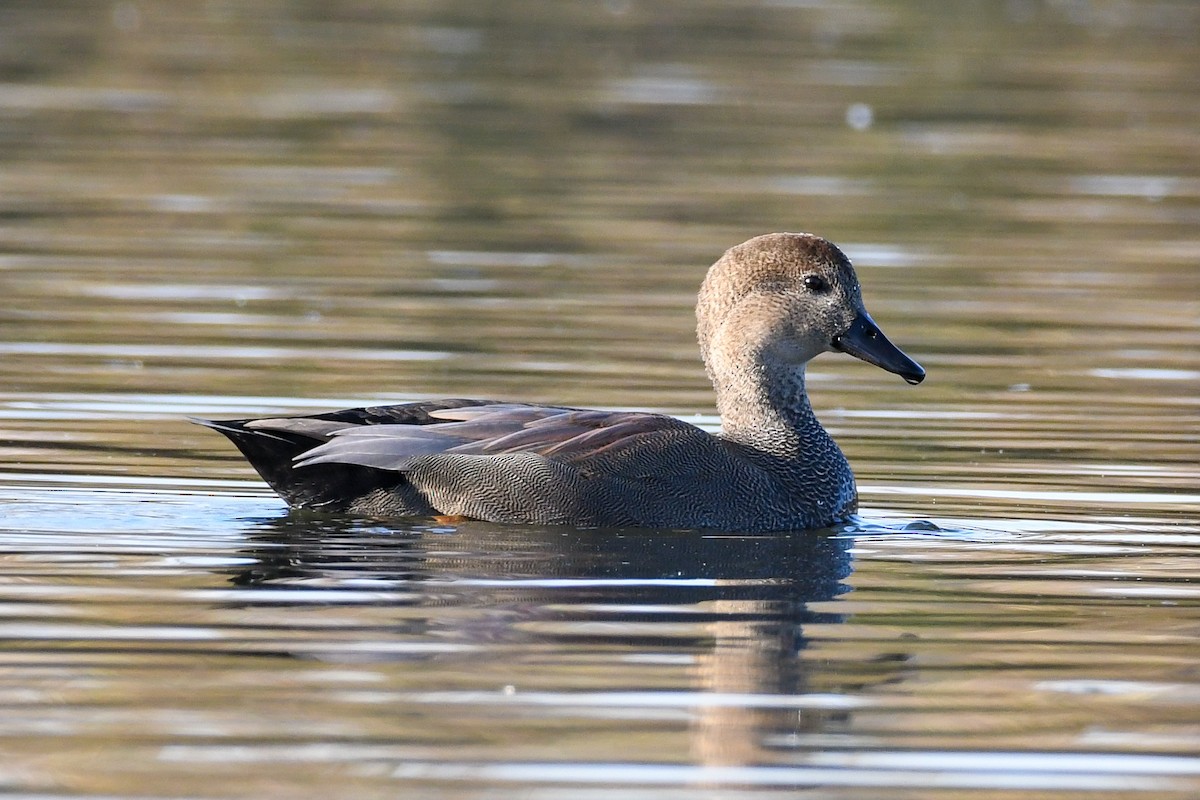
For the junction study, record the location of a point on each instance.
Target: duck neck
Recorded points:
(765, 414)
(768, 410)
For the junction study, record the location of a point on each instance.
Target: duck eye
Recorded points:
(816, 284)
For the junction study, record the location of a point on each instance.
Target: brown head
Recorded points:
(781, 299)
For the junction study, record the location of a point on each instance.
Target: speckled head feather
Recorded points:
(775, 273)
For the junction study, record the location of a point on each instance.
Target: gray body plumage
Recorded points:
(765, 309)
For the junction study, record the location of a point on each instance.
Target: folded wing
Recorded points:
(504, 462)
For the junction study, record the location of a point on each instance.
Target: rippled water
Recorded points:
(224, 209)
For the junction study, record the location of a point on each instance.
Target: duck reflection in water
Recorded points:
(722, 614)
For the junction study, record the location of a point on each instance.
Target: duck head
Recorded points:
(779, 300)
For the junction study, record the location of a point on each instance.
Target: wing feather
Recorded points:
(560, 434)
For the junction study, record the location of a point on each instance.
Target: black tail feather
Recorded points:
(329, 487)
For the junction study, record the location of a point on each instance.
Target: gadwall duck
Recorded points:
(766, 308)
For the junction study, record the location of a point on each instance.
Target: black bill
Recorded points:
(864, 340)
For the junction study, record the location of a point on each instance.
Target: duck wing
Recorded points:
(563, 434)
(543, 464)
(503, 462)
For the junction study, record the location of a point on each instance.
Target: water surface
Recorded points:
(238, 209)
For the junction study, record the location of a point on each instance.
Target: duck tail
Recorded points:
(327, 487)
